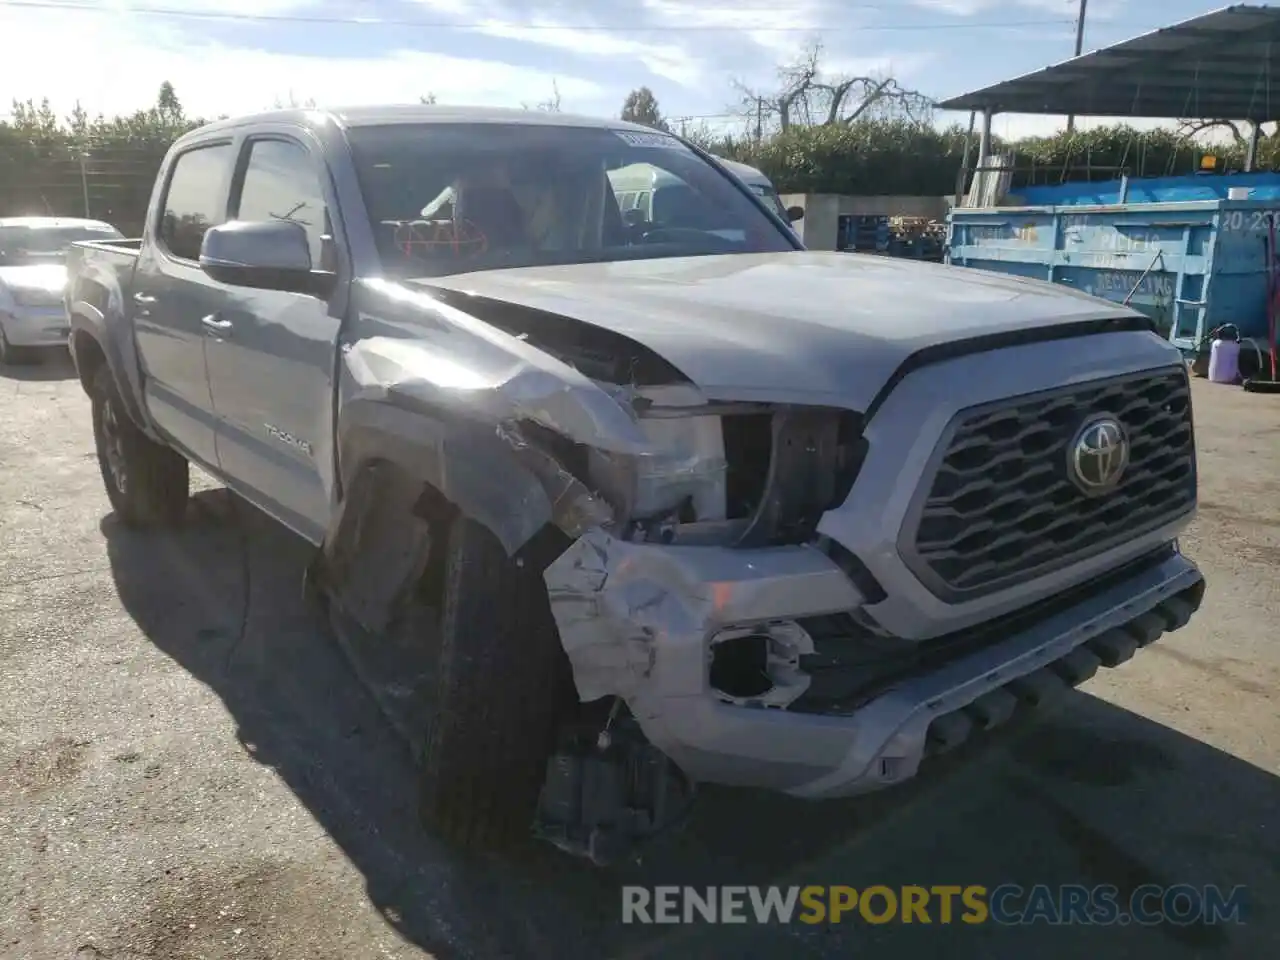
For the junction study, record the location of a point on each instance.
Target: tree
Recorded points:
(168, 106)
(78, 123)
(808, 96)
(641, 106)
(49, 164)
(428, 98)
(35, 122)
(1190, 131)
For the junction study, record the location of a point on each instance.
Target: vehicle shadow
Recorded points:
(1158, 807)
(54, 365)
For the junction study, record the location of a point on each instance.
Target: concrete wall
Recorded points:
(823, 210)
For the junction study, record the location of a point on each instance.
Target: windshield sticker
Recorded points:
(660, 140)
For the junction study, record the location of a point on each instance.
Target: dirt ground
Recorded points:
(188, 769)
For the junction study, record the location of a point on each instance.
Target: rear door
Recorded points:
(273, 354)
(172, 296)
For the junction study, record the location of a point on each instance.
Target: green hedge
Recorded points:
(899, 158)
(48, 164)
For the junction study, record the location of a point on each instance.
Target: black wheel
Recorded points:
(14, 356)
(504, 686)
(147, 483)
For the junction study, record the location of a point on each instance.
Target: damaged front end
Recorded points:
(656, 492)
(709, 552)
(717, 627)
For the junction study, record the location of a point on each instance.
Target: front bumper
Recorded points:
(35, 326)
(640, 620)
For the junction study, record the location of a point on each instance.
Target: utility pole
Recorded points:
(84, 181)
(1084, 5)
(759, 120)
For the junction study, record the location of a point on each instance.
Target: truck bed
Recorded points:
(97, 267)
(130, 248)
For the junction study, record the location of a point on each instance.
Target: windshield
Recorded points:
(26, 244)
(449, 198)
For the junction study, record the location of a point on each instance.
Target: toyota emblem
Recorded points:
(1098, 456)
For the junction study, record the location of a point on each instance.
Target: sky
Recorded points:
(239, 56)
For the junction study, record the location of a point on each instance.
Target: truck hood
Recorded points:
(48, 277)
(800, 326)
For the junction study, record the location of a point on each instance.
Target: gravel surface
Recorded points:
(188, 769)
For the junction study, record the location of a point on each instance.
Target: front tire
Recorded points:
(11, 356)
(504, 686)
(148, 484)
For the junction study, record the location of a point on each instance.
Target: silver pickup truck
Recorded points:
(605, 507)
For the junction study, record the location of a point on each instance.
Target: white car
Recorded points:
(33, 276)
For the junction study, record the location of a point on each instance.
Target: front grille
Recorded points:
(1002, 508)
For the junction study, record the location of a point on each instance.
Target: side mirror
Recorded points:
(795, 213)
(264, 254)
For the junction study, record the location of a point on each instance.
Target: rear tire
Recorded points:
(148, 484)
(11, 356)
(504, 686)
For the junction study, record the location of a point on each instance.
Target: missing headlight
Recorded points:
(814, 456)
(744, 474)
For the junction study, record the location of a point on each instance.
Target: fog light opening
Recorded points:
(760, 666)
(739, 667)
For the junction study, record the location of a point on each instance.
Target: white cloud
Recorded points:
(663, 60)
(901, 66)
(749, 19)
(693, 43)
(114, 62)
(660, 55)
(223, 8)
(700, 46)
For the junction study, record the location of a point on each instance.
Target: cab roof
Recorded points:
(420, 113)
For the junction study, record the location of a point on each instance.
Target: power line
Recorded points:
(82, 7)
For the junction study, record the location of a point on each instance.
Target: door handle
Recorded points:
(143, 300)
(221, 328)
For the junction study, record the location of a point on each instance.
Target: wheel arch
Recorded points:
(92, 347)
(406, 472)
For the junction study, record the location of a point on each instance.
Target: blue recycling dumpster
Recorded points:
(1190, 266)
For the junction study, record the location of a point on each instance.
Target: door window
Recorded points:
(280, 183)
(196, 199)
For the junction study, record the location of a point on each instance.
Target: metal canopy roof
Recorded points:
(1223, 65)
